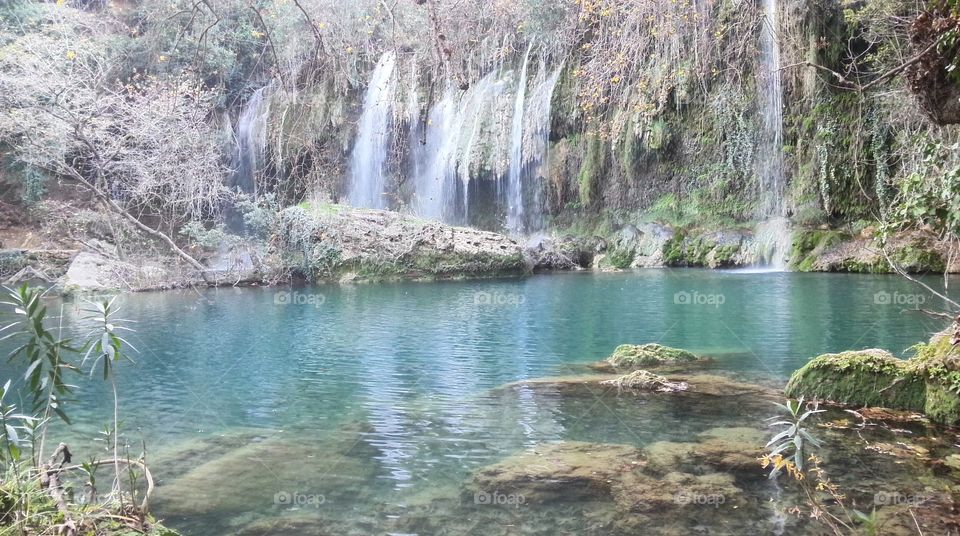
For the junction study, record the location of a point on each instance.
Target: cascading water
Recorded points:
(514, 177)
(251, 142)
(250, 146)
(442, 167)
(465, 135)
(368, 174)
(773, 235)
(432, 179)
(535, 149)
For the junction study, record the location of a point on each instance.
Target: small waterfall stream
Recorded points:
(368, 175)
(773, 235)
(537, 144)
(514, 177)
(251, 142)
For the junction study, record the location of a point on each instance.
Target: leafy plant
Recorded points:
(108, 349)
(792, 439)
(43, 353)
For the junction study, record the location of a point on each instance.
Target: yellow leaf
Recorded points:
(71, 55)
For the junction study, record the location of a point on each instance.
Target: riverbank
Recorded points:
(327, 243)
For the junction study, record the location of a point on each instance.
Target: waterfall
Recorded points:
(533, 173)
(514, 184)
(774, 235)
(462, 135)
(434, 189)
(368, 174)
(251, 143)
(443, 166)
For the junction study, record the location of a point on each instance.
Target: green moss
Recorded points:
(430, 266)
(659, 135)
(943, 404)
(877, 265)
(697, 250)
(642, 355)
(919, 257)
(939, 362)
(591, 169)
(673, 249)
(620, 258)
(723, 255)
(810, 244)
(860, 378)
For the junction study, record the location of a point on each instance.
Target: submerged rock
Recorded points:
(632, 481)
(561, 471)
(860, 378)
(723, 449)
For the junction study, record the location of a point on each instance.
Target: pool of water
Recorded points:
(369, 405)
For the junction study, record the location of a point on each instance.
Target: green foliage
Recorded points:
(30, 181)
(673, 254)
(261, 215)
(41, 351)
(298, 236)
(931, 195)
(17, 15)
(209, 239)
(10, 421)
(104, 344)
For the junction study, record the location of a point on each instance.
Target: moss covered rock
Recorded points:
(939, 363)
(631, 356)
(861, 378)
(809, 245)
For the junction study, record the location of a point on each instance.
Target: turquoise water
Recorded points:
(382, 399)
